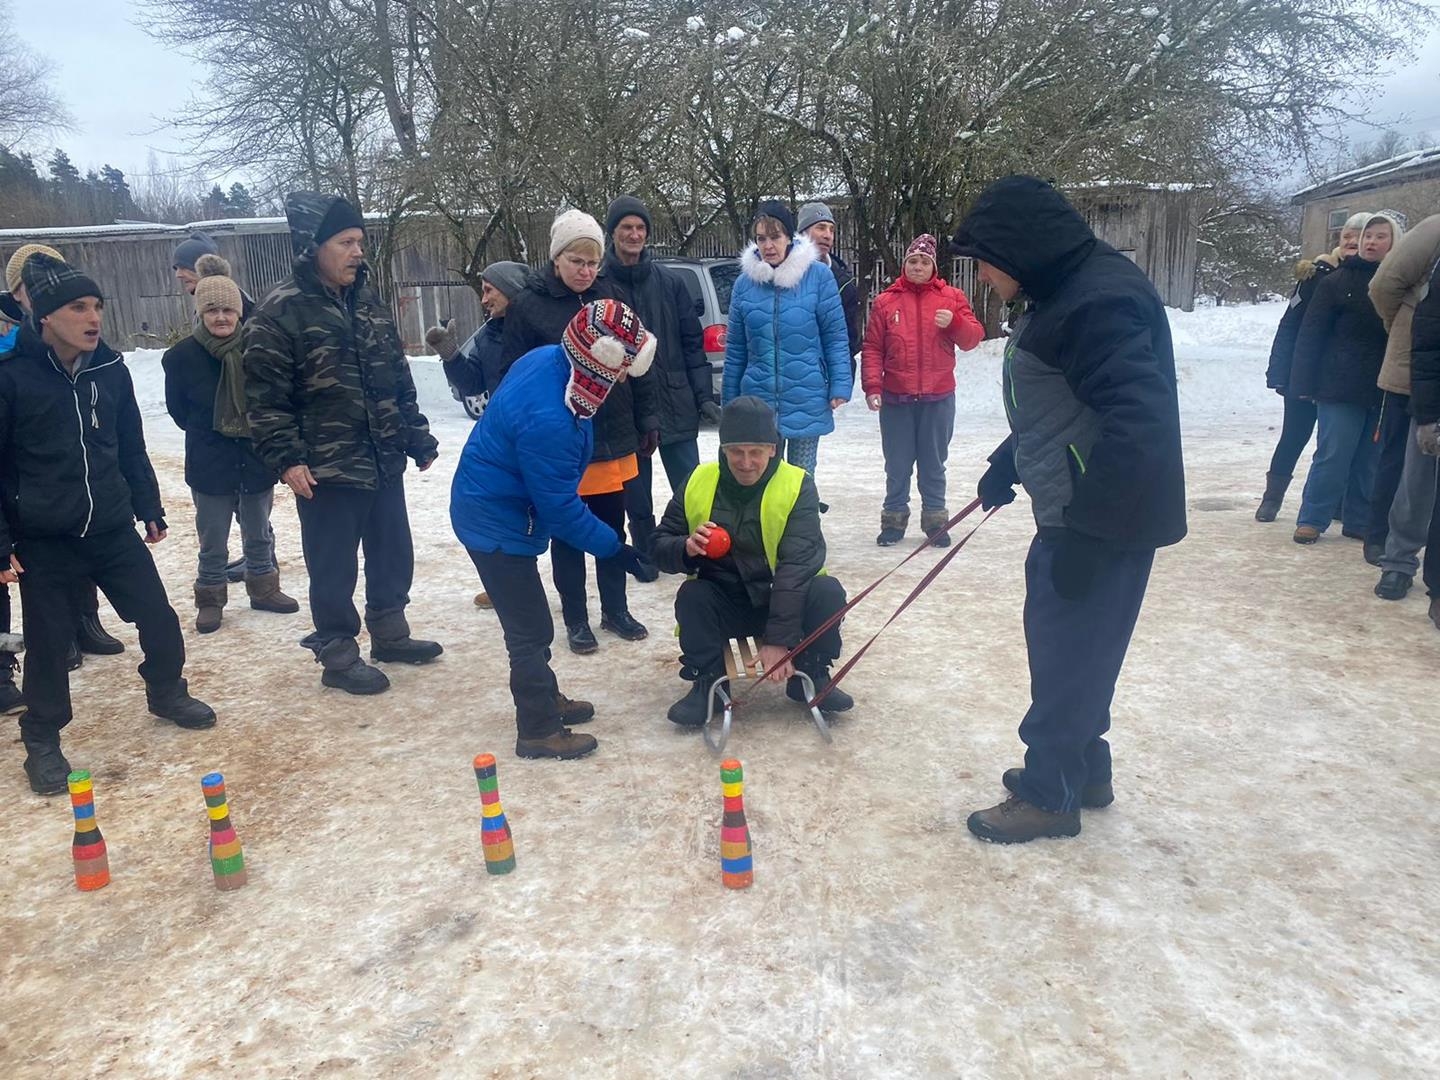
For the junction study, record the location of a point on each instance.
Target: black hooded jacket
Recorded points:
(1341, 343)
(1089, 372)
(1282, 349)
(1425, 355)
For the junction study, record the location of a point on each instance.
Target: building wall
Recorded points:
(1415, 199)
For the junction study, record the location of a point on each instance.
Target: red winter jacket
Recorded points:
(905, 353)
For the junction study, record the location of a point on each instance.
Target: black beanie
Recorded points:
(747, 420)
(51, 284)
(624, 207)
(779, 211)
(337, 219)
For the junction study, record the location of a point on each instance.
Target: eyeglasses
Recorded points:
(582, 264)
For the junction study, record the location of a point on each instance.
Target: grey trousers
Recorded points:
(213, 515)
(915, 437)
(1411, 510)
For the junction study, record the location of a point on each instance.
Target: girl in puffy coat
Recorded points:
(787, 342)
(909, 377)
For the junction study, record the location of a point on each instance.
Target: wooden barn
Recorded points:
(1154, 224)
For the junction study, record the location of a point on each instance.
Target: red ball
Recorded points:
(718, 544)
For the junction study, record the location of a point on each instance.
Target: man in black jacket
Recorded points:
(1089, 389)
(818, 223)
(1425, 410)
(75, 479)
(770, 582)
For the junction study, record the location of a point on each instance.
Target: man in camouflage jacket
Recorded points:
(331, 406)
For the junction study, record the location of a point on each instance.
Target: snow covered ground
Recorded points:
(1262, 899)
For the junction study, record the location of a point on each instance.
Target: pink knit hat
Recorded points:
(924, 244)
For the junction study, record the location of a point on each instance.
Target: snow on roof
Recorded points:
(140, 228)
(1387, 169)
(1133, 184)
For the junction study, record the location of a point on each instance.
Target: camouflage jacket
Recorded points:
(327, 383)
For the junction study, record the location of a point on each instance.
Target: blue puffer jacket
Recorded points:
(515, 486)
(787, 343)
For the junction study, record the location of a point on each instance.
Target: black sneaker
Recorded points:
(172, 701)
(835, 701)
(1092, 796)
(623, 624)
(46, 768)
(581, 639)
(693, 709)
(574, 712)
(406, 650)
(91, 637)
(1393, 585)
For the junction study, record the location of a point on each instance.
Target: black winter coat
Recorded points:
(72, 451)
(744, 572)
(215, 464)
(1341, 343)
(1095, 319)
(1282, 349)
(681, 373)
(849, 288)
(538, 315)
(1425, 355)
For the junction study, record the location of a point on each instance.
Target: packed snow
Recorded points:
(1260, 900)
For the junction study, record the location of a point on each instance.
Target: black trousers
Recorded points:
(518, 596)
(1430, 567)
(1295, 432)
(568, 565)
(119, 564)
(334, 526)
(710, 615)
(1393, 436)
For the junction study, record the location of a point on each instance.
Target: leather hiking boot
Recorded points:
(893, 524)
(574, 712)
(265, 594)
(91, 637)
(1306, 534)
(623, 624)
(46, 768)
(563, 745)
(1374, 552)
(74, 657)
(1269, 507)
(1434, 611)
(406, 650)
(172, 701)
(235, 571)
(1393, 585)
(1092, 796)
(835, 701)
(209, 607)
(1016, 821)
(693, 709)
(581, 639)
(482, 600)
(344, 670)
(933, 522)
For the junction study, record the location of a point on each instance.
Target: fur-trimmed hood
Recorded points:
(803, 253)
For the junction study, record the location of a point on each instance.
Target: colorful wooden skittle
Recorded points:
(494, 829)
(736, 869)
(92, 864)
(226, 858)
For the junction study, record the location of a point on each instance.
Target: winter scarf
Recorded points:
(230, 394)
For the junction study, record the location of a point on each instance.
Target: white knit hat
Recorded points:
(574, 225)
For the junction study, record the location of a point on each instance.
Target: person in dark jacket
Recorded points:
(1299, 416)
(817, 223)
(681, 374)
(516, 488)
(1425, 409)
(185, 262)
(205, 396)
(331, 408)
(1338, 354)
(474, 369)
(770, 583)
(626, 426)
(1089, 390)
(74, 480)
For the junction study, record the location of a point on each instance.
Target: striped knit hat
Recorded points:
(215, 289)
(603, 341)
(53, 283)
(17, 262)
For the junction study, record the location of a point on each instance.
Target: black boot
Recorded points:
(934, 522)
(693, 709)
(892, 527)
(1393, 585)
(623, 624)
(390, 640)
(10, 696)
(344, 670)
(91, 637)
(74, 657)
(1374, 552)
(1275, 486)
(172, 701)
(581, 638)
(45, 766)
(835, 701)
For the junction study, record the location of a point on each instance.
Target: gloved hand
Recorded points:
(1076, 561)
(442, 340)
(1428, 439)
(630, 561)
(710, 411)
(649, 440)
(996, 487)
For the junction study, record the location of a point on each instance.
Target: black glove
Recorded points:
(1076, 561)
(631, 561)
(996, 487)
(710, 411)
(649, 441)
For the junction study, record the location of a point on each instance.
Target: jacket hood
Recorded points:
(304, 211)
(627, 275)
(1026, 228)
(789, 273)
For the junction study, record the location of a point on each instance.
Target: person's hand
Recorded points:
(873, 400)
(836, 402)
(442, 339)
(1075, 563)
(299, 479)
(155, 531)
(770, 663)
(11, 574)
(711, 412)
(1428, 439)
(630, 560)
(649, 441)
(697, 541)
(944, 317)
(995, 488)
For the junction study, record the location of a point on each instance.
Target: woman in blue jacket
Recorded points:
(787, 342)
(517, 486)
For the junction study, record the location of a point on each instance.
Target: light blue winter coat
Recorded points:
(787, 342)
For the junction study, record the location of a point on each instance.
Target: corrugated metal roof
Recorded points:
(1380, 171)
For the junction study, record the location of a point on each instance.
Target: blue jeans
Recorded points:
(1343, 468)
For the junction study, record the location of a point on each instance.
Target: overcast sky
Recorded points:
(120, 84)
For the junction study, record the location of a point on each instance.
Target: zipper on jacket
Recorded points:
(80, 422)
(919, 346)
(775, 334)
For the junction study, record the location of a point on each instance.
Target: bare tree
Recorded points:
(29, 105)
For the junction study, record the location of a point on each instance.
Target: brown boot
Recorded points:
(892, 527)
(564, 744)
(574, 712)
(1016, 821)
(210, 607)
(933, 521)
(1435, 611)
(265, 594)
(482, 600)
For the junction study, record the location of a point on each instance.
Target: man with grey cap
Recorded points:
(474, 369)
(818, 223)
(187, 252)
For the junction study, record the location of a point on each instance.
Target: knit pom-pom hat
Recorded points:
(926, 245)
(604, 340)
(571, 226)
(17, 262)
(215, 289)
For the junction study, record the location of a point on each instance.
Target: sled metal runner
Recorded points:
(747, 668)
